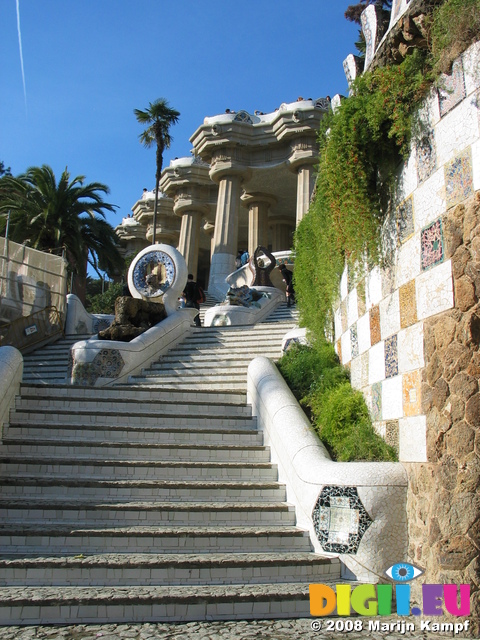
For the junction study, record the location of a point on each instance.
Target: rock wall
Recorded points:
(410, 333)
(444, 498)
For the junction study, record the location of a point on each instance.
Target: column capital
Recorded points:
(256, 197)
(225, 166)
(186, 203)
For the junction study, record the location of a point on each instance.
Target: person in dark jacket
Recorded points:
(191, 295)
(288, 279)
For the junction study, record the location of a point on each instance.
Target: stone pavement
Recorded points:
(240, 630)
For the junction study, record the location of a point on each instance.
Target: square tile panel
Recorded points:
(354, 341)
(343, 312)
(408, 304)
(340, 519)
(412, 390)
(426, 156)
(391, 434)
(431, 245)
(451, 88)
(361, 298)
(459, 178)
(377, 401)
(339, 349)
(405, 222)
(375, 333)
(391, 357)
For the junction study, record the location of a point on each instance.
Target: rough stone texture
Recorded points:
(444, 498)
(132, 317)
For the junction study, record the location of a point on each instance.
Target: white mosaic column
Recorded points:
(225, 236)
(258, 206)
(189, 239)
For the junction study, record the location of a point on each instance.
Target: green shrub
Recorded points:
(338, 412)
(104, 302)
(455, 26)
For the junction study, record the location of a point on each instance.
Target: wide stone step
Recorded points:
(104, 514)
(140, 490)
(89, 406)
(123, 392)
(73, 605)
(155, 435)
(258, 347)
(91, 468)
(189, 385)
(135, 451)
(187, 367)
(42, 539)
(187, 377)
(167, 569)
(189, 422)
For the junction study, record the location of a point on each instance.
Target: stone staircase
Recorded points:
(49, 364)
(152, 501)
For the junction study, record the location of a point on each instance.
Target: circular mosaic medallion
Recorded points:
(153, 274)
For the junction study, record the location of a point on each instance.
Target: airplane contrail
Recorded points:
(21, 53)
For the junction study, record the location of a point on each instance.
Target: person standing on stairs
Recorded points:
(288, 279)
(191, 294)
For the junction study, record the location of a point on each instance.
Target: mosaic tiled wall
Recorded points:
(379, 321)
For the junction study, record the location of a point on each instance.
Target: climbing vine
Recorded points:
(362, 145)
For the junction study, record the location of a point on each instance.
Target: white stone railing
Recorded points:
(106, 362)
(323, 489)
(79, 320)
(11, 372)
(225, 315)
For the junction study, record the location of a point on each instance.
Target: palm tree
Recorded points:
(68, 215)
(160, 117)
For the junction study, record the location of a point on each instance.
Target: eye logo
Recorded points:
(403, 572)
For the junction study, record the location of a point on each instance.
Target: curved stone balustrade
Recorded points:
(354, 509)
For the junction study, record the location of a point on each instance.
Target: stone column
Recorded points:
(282, 233)
(225, 237)
(189, 239)
(258, 206)
(305, 185)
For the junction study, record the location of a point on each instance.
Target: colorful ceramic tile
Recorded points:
(426, 156)
(364, 370)
(408, 304)
(391, 433)
(391, 357)
(412, 390)
(451, 89)
(375, 333)
(405, 223)
(431, 245)
(361, 298)
(377, 401)
(354, 340)
(340, 519)
(459, 178)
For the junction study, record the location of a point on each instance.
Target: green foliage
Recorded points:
(455, 26)
(338, 412)
(104, 302)
(51, 215)
(361, 146)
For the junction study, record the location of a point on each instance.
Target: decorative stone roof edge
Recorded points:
(307, 470)
(267, 118)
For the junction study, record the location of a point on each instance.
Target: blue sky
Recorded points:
(88, 64)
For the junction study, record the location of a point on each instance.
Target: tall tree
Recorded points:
(67, 215)
(159, 117)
